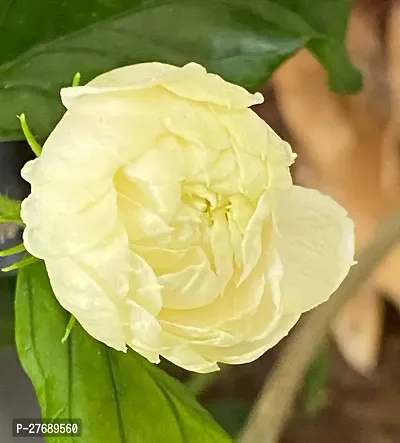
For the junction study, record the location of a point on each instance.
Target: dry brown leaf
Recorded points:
(348, 147)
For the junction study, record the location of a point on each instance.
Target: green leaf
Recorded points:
(7, 289)
(9, 209)
(121, 398)
(230, 414)
(244, 41)
(316, 381)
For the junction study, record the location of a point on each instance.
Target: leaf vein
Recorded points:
(116, 395)
(34, 348)
(5, 11)
(69, 374)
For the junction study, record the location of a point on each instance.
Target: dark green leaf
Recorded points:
(121, 398)
(7, 289)
(244, 41)
(316, 381)
(230, 414)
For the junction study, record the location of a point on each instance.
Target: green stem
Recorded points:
(36, 148)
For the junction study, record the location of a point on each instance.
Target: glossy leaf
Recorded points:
(121, 398)
(244, 41)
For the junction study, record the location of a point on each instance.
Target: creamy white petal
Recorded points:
(248, 351)
(191, 82)
(138, 76)
(93, 286)
(236, 240)
(85, 297)
(145, 332)
(252, 173)
(186, 357)
(162, 164)
(257, 326)
(127, 78)
(193, 286)
(221, 249)
(144, 287)
(140, 222)
(211, 337)
(212, 88)
(241, 211)
(53, 231)
(196, 124)
(316, 247)
(256, 138)
(100, 135)
(253, 237)
(234, 304)
(111, 261)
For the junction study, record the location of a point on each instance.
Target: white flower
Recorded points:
(165, 213)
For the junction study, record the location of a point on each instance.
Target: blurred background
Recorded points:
(348, 147)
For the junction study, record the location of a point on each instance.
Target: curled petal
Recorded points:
(144, 287)
(193, 286)
(248, 351)
(252, 240)
(221, 249)
(316, 247)
(186, 357)
(190, 82)
(141, 222)
(63, 230)
(88, 301)
(145, 335)
(236, 303)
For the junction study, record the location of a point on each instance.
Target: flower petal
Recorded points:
(248, 351)
(87, 301)
(97, 137)
(221, 249)
(193, 286)
(316, 247)
(52, 230)
(141, 222)
(144, 287)
(127, 78)
(186, 357)
(211, 337)
(234, 304)
(146, 332)
(190, 82)
(252, 240)
(211, 88)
